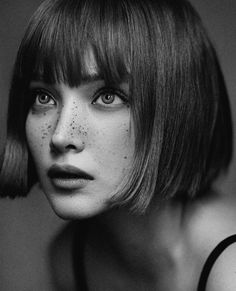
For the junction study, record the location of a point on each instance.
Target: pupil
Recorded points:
(43, 98)
(108, 98)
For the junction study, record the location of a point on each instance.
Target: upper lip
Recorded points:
(67, 171)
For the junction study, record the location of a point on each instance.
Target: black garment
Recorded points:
(78, 256)
(212, 259)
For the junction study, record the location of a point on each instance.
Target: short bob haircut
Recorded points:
(178, 99)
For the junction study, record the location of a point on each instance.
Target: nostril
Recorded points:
(58, 145)
(56, 148)
(70, 147)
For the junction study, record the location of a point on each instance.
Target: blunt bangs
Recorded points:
(63, 35)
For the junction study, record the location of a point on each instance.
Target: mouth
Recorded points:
(67, 177)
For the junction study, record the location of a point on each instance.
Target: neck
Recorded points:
(143, 246)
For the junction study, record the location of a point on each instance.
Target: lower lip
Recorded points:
(70, 184)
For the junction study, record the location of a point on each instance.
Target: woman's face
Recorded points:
(82, 143)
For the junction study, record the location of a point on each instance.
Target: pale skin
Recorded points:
(75, 127)
(164, 248)
(168, 245)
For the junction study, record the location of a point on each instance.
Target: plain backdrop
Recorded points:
(27, 226)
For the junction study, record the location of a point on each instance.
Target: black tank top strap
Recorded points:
(212, 259)
(78, 255)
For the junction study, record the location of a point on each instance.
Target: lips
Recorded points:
(68, 177)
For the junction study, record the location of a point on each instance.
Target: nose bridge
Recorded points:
(72, 112)
(69, 118)
(69, 126)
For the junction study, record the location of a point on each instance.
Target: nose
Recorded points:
(66, 135)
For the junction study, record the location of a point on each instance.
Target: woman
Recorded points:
(120, 111)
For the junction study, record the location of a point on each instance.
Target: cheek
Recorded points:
(38, 133)
(114, 145)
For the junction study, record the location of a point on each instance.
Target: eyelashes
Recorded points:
(42, 97)
(109, 97)
(106, 97)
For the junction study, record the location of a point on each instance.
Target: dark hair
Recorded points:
(179, 103)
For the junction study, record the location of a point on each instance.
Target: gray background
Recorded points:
(28, 225)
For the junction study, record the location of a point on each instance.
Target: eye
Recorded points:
(42, 97)
(110, 97)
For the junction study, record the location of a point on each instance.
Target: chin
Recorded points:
(76, 208)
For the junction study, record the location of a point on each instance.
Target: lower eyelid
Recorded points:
(114, 92)
(113, 105)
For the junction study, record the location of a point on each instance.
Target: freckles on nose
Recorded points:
(83, 130)
(73, 126)
(78, 124)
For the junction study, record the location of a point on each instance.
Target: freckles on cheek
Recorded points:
(38, 132)
(45, 130)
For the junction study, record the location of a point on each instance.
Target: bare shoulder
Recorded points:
(210, 223)
(213, 219)
(223, 273)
